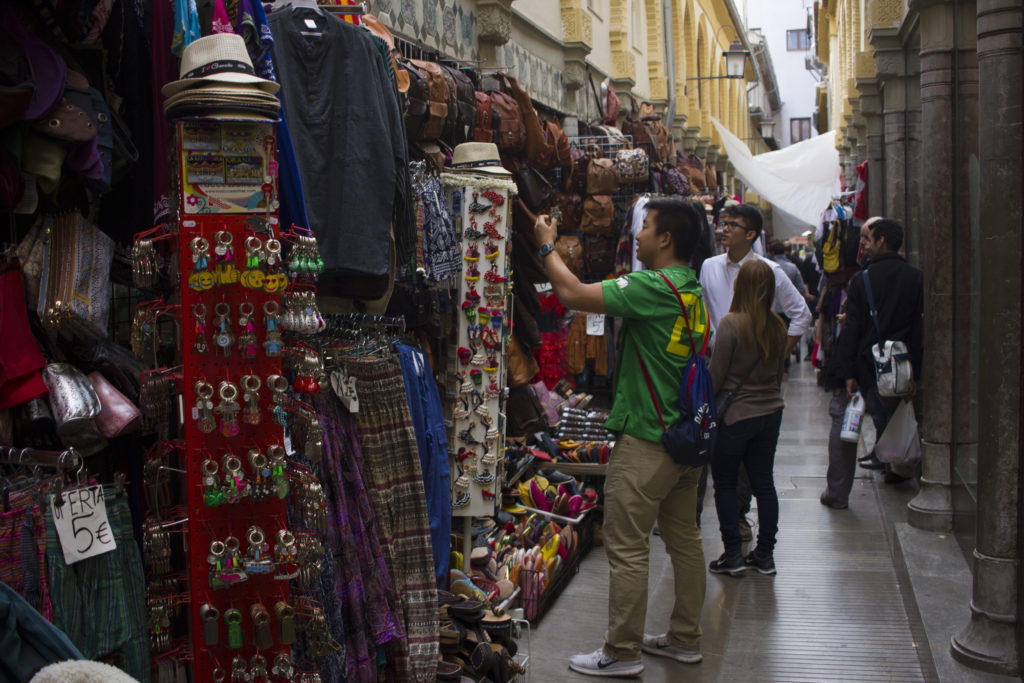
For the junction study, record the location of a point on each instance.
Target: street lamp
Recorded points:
(735, 63)
(767, 128)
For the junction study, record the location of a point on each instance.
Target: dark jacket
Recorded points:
(898, 289)
(346, 127)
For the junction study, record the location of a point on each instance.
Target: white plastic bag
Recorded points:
(900, 443)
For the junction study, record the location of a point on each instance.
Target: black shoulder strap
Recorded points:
(864, 276)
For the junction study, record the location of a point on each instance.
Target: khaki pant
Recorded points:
(643, 484)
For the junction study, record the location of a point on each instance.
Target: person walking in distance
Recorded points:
(898, 291)
(643, 484)
(748, 365)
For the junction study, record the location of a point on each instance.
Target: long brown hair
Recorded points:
(753, 294)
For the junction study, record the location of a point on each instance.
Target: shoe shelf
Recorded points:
(578, 468)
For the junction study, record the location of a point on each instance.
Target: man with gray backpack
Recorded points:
(880, 348)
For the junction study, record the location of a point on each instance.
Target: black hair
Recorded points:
(777, 248)
(891, 230)
(748, 213)
(682, 220)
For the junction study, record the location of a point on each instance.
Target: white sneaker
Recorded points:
(659, 645)
(597, 663)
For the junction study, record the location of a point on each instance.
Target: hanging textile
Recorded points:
(362, 581)
(23, 552)
(432, 443)
(337, 95)
(100, 602)
(391, 470)
(441, 257)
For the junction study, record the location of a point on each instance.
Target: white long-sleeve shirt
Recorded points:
(718, 275)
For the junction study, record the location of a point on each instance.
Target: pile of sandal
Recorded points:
(476, 640)
(584, 452)
(556, 493)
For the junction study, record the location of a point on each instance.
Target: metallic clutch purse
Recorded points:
(72, 399)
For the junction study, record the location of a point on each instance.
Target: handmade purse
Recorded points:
(74, 288)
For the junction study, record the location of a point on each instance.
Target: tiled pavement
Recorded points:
(835, 611)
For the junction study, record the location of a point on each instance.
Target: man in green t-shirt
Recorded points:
(643, 484)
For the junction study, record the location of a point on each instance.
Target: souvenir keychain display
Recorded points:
(477, 439)
(233, 282)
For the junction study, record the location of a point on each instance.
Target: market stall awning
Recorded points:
(798, 181)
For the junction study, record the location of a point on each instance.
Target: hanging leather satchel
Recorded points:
(601, 178)
(598, 215)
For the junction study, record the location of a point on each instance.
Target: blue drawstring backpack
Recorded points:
(692, 441)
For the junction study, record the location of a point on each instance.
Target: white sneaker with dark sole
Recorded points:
(597, 663)
(660, 647)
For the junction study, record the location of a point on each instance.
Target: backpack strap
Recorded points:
(650, 387)
(686, 316)
(871, 303)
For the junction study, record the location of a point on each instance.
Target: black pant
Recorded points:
(751, 442)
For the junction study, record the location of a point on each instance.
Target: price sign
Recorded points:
(82, 525)
(595, 324)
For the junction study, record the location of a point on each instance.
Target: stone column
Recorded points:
(988, 641)
(949, 115)
(871, 110)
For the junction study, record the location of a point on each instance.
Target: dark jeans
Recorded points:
(751, 442)
(743, 494)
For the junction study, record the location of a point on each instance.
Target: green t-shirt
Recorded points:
(654, 326)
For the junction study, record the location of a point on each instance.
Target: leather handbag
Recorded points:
(465, 102)
(571, 206)
(598, 215)
(577, 180)
(74, 290)
(522, 367)
(538, 150)
(487, 119)
(535, 190)
(511, 135)
(599, 254)
(601, 177)
(570, 249)
(673, 181)
(118, 416)
(436, 98)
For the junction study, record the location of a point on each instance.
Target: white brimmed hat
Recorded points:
(218, 58)
(478, 157)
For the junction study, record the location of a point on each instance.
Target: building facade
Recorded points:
(929, 93)
(787, 34)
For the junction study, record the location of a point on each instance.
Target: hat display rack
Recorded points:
(247, 559)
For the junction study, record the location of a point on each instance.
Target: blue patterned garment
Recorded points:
(441, 255)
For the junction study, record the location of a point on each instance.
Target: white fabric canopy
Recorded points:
(798, 181)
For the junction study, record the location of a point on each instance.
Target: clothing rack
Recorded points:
(68, 459)
(346, 10)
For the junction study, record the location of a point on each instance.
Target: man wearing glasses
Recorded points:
(741, 227)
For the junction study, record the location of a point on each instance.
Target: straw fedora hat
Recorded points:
(478, 157)
(218, 58)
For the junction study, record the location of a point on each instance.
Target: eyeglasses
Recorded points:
(729, 225)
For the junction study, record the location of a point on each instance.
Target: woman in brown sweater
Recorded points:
(750, 342)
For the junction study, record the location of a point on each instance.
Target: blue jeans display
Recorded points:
(432, 442)
(751, 442)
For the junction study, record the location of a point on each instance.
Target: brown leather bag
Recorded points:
(522, 367)
(571, 251)
(538, 151)
(577, 181)
(601, 178)
(534, 189)
(380, 30)
(711, 177)
(571, 206)
(599, 254)
(511, 132)
(487, 120)
(598, 215)
(693, 169)
(437, 98)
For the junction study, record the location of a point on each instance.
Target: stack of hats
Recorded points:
(217, 80)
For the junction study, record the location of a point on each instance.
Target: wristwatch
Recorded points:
(546, 249)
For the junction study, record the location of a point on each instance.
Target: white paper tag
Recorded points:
(288, 449)
(345, 389)
(82, 525)
(595, 324)
(310, 24)
(543, 287)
